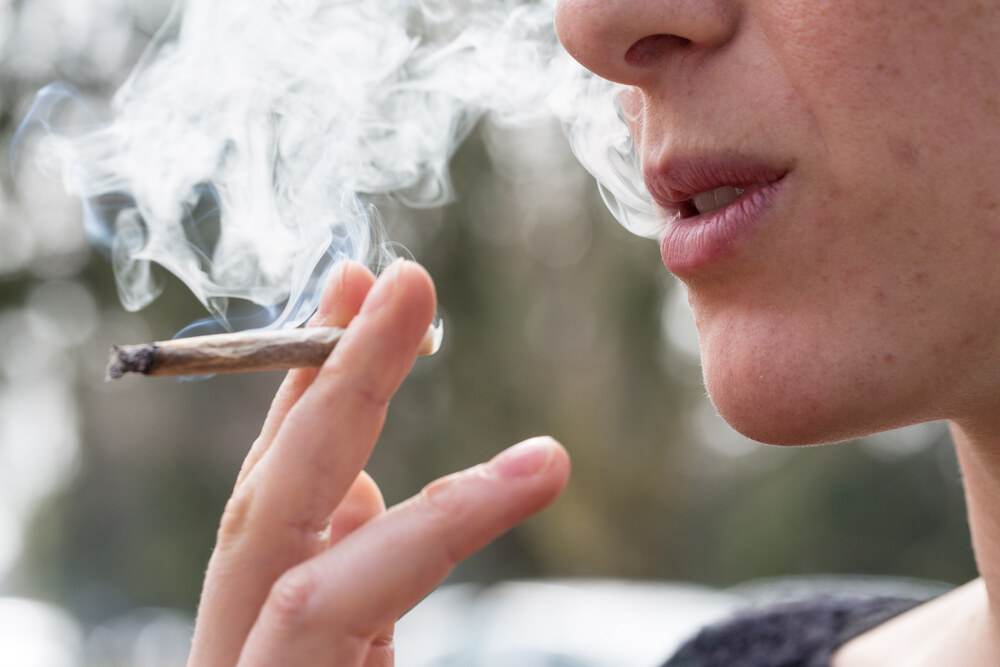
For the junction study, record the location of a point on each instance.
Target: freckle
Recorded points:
(904, 152)
(920, 277)
(985, 200)
(991, 106)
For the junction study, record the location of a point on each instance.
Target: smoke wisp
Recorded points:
(244, 147)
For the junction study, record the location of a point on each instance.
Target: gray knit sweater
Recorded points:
(796, 634)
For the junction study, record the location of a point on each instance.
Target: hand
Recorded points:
(309, 567)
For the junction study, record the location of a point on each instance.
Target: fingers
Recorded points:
(245, 565)
(327, 436)
(341, 299)
(362, 503)
(330, 609)
(320, 435)
(382, 652)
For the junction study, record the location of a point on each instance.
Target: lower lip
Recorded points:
(689, 245)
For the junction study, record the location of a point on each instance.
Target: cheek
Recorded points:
(895, 72)
(869, 307)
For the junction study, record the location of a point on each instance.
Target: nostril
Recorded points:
(648, 50)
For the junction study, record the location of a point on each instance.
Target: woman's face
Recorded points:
(853, 284)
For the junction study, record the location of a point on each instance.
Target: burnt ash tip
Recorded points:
(130, 359)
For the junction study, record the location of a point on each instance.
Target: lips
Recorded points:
(711, 206)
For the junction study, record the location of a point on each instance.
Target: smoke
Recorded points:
(245, 147)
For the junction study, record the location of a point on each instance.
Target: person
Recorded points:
(825, 173)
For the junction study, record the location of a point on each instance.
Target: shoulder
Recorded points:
(802, 633)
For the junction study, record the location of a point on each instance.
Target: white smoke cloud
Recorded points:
(245, 144)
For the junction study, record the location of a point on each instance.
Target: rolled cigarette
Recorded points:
(238, 352)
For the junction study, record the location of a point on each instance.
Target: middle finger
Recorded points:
(328, 435)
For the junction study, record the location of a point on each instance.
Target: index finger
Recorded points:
(342, 298)
(328, 435)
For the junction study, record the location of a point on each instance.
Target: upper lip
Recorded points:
(673, 181)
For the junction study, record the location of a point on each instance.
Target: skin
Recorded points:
(867, 298)
(310, 568)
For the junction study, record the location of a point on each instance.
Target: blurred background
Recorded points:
(557, 321)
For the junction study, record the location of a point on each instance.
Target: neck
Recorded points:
(979, 457)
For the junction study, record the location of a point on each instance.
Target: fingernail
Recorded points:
(384, 287)
(526, 458)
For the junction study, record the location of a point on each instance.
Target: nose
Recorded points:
(628, 41)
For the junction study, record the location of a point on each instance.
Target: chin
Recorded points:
(778, 422)
(778, 402)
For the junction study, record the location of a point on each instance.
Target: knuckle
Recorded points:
(294, 608)
(290, 599)
(447, 512)
(382, 652)
(237, 514)
(309, 526)
(454, 553)
(376, 400)
(257, 450)
(442, 498)
(365, 387)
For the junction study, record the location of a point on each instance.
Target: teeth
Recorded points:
(706, 202)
